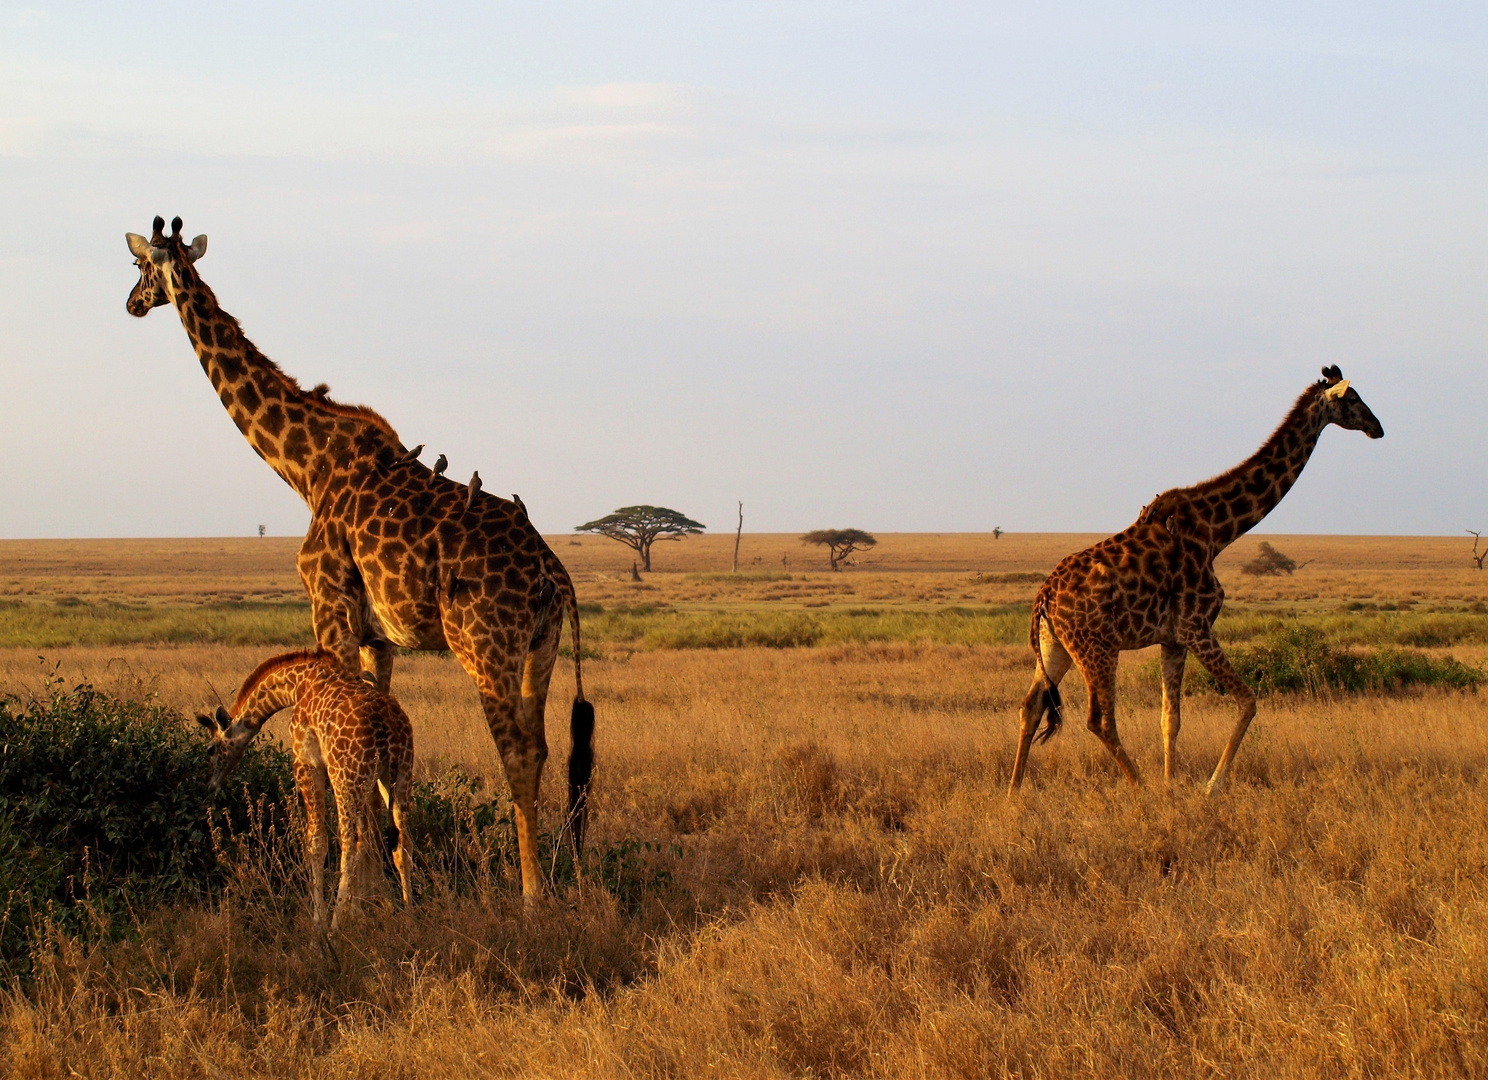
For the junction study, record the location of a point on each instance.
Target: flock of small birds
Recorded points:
(441, 463)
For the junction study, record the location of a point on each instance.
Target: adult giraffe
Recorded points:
(1153, 583)
(396, 555)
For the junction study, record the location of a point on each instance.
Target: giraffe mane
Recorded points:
(316, 398)
(1214, 483)
(278, 663)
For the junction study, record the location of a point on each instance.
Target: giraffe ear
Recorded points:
(206, 721)
(224, 718)
(1337, 390)
(139, 247)
(197, 249)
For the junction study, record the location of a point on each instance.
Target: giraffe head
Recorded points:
(155, 258)
(229, 739)
(1342, 405)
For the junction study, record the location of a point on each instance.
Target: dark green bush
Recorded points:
(1298, 659)
(104, 806)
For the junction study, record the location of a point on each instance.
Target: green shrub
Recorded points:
(1299, 659)
(105, 803)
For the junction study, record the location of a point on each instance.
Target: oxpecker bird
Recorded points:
(440, 464)
(410, 457)
(475, 486)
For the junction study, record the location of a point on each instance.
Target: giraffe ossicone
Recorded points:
(1154, 583)
(396, 554)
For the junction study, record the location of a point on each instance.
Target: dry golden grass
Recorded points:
(852, 893)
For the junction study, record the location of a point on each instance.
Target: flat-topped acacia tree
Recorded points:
(638, 527)
(840, 543)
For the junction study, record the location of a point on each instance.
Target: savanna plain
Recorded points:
(803, 860)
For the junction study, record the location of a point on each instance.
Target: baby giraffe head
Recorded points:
(229, 740)
(155, 258)
(1343, 405)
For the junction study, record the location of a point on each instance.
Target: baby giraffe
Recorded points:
(345, 730)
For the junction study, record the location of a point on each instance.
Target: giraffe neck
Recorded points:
(303, 437)
(1230, 505)
(268, 691)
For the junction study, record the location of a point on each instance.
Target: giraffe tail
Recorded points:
(581, 729)
(1051, 708)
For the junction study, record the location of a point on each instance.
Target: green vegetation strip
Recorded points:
(45, 626)
(1299, 660)
(660, 626)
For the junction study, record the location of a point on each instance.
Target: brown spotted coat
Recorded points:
(1153, 583)
(394, 556)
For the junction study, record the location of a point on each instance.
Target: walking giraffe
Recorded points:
(1153, 583)
(345, 731)
(395, 554)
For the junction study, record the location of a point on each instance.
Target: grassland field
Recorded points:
(811, 766)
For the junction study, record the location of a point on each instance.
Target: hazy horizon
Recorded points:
(854, 265)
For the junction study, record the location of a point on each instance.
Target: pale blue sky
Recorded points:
(898, 267)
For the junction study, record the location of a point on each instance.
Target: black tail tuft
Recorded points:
(1053, 715)
(580, 769)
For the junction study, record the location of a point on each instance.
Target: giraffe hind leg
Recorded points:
(1173, 660)
(1042, 701)
(1100, 677)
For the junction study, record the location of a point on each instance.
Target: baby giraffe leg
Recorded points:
(311, 780)
(403, 853)
(1173, 659)
(348, 813)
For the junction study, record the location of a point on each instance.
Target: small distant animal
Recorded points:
(475, 486)
(410, 457)
(344, 731)
(440, 464)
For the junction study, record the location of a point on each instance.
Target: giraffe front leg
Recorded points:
(337, 597)
(1208, 652)
(1174, 657)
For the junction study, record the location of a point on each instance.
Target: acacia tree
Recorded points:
(1269, 562)
(840, 543)
(638, 527)
(1476, 558)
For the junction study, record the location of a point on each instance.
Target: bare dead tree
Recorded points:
(263, 529)
(739, 535)
(1476, 558)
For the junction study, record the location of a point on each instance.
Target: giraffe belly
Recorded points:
(405, 626)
